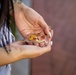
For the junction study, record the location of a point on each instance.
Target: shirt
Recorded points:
(6, 69)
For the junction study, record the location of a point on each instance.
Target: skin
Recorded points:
(28, 20)
(27, 24)
(21, 51)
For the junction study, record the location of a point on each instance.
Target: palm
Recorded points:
(28, 23)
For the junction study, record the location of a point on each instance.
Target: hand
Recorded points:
(29, 21)
(29, 51)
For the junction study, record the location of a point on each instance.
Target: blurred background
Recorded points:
(61, 16)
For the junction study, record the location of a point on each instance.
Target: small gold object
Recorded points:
(32, 37)
(36, 38)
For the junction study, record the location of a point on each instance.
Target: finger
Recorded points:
(46, 49)
(28, 42)
(36, 44)
(46, 43)
(51, 33)
(42, 44)
(44, 26)
(31, 43)
(26, 32)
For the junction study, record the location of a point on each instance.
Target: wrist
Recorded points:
(15, 52)
(18, 5)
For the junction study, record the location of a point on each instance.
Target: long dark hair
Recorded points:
(4, 10)
(5, 16)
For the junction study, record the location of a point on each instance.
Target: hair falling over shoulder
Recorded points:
(4, 11)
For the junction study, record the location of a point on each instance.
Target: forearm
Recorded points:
(10, 57)
(18, 6)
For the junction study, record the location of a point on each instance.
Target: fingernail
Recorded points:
(51, 42)
(50, 34)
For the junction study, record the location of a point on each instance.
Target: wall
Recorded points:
(61, 16)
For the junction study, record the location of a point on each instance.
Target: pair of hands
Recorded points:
(28, 22)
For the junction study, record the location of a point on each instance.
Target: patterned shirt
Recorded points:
(5, 70)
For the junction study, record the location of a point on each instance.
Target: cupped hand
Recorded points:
(30, 51)
(29, 22)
